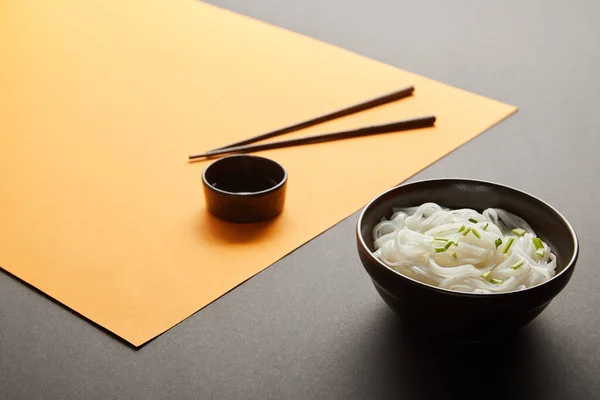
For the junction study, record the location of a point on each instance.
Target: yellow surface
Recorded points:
(102, 101)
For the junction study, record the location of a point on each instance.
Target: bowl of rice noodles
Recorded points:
(465, 260)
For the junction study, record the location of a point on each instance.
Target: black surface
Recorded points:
(442, 314)
(312, 326)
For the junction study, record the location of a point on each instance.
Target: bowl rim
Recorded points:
(272, 189)
(363, 247)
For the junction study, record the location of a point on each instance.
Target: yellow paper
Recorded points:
(102, 101)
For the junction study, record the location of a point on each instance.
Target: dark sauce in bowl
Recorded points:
(244, 183)
(244, 188)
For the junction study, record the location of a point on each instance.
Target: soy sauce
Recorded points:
(244, 183)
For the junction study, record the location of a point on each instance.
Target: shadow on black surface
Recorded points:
(509, 368)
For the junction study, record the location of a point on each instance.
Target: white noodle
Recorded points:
(459, 249)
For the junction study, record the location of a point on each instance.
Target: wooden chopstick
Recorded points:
(379, 101)
(412, 123)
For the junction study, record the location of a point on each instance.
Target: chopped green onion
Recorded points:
(508, 244)
(454, 255)
(462, 228)
(486, 226)
(466, 232)
(487, 277)
(440, 249)
(450, 243)
(441, 239)
(540, 252)
(477, 235)
(539, 246)
(498, 242)
(518, 265)
(473, 220)
(519, 231)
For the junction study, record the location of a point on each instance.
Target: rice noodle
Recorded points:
(463, 250)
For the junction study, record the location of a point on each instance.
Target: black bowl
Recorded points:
(466, 317)
(244, 188)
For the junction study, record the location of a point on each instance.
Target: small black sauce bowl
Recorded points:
(433, 312)
(244, 189)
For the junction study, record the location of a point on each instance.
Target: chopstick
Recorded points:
(407, 124)
(376, 102)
